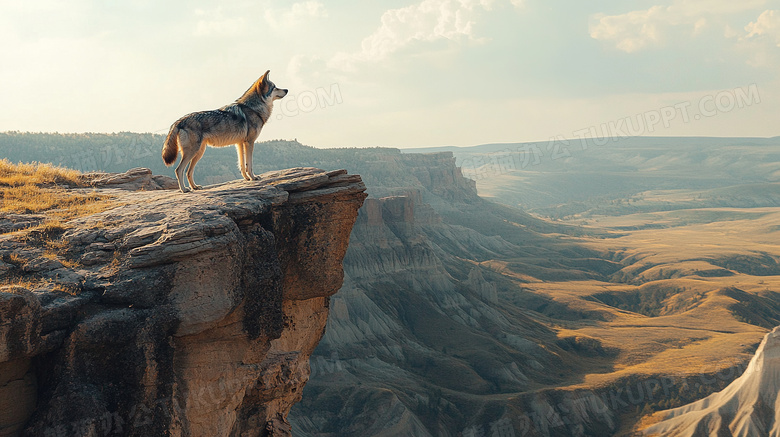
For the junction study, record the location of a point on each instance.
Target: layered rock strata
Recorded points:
(173, 314)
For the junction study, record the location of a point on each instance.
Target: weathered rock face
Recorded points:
(749, 406)
(427, 336)
(172, 314)
(438, 173)
(422, 339)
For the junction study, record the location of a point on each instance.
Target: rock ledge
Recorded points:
(173, 314)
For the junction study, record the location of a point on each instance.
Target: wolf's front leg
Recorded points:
(240, 147)
(250, 147)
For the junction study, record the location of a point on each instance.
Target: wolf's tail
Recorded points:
(171, 147)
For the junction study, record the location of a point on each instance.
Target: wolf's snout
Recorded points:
(284, 93)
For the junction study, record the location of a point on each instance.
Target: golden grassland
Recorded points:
(703, 337)
(37, 188)
(691, 330)
(677, 310)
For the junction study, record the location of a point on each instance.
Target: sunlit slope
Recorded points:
(688, 295)
(747, 407)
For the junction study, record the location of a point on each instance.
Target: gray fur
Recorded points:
(238, 123)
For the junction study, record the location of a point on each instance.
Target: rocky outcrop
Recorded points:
(405, 207)
(438, 173)
(132, 180)
(173, 314)
(749, 406)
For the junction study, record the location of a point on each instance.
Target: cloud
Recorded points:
(632, 31)
(296, 15)
(654, 27)
(767, 25)
(427, 21)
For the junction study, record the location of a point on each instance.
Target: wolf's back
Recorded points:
(171, 147)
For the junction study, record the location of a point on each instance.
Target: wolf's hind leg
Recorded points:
(185, 160)
(240, 149)
(191, 169)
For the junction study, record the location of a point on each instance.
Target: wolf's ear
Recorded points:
(262, 83)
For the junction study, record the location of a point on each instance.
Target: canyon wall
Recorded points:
(173, 314)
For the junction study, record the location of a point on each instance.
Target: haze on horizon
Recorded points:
(411, 73)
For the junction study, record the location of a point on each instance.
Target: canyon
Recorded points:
(459, 316)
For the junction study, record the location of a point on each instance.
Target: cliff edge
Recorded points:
(172, 314)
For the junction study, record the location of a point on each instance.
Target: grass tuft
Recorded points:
(37, 189)
(37, 173)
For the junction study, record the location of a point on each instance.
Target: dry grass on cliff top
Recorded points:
(37, 188)
(36, 174)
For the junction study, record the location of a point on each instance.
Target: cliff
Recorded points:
(171, 314)
(749, 406)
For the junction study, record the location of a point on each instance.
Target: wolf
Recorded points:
(238, 123)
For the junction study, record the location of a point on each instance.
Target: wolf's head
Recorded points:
(268, 89)
(263, 91)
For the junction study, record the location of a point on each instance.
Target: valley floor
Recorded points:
(702, 287)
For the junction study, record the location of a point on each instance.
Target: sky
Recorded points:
(399, 73)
